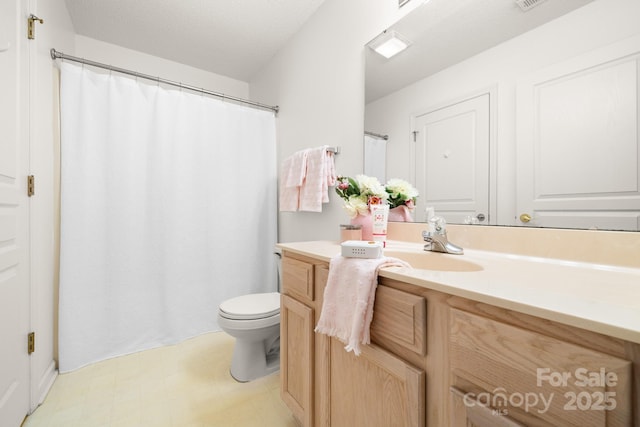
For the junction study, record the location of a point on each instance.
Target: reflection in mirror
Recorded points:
(520, 118)
(375, 155)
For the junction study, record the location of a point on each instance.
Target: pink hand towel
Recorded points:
(347, 309)
(330, 176)
(320, 173)
(297, 169)
(292, 175)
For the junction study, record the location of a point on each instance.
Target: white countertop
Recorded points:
(599, 298)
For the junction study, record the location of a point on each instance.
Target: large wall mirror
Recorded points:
(506, 116)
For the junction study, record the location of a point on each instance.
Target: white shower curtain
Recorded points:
(375, 157)
(168, 207)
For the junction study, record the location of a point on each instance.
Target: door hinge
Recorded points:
(31, 185)
(31, 342)
(415, 135)
(31, 27)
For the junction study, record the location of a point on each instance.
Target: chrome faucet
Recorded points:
(437, 240)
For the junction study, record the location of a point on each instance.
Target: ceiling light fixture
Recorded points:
(389, 43)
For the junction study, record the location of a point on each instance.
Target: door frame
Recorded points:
(42, 143)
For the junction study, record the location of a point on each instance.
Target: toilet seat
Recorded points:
(251, 307)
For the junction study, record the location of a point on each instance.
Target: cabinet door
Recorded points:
(296, 358)
(375, 389)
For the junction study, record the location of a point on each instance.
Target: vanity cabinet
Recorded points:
(322, 384)
(440, 360)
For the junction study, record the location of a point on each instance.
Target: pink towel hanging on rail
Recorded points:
(310, 192)
(292, 174)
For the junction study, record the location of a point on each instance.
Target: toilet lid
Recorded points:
(253, 306)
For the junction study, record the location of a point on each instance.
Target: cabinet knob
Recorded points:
(525, 217)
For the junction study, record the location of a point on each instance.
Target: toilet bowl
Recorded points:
(254, 321)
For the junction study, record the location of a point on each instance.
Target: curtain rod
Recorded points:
(55, 55)
(376, 135)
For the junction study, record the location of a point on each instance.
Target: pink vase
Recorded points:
(366, 222)
(400, 214)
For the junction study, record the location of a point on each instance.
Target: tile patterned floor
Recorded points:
(186, 385)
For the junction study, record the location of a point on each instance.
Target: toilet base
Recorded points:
(251, 360)
(257, 349)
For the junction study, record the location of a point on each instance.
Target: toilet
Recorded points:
(254, 321)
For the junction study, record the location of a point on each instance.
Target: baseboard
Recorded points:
(44, 385)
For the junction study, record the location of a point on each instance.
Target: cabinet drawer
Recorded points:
(297, 279)
(466, 411)
(399, 317)
(560, 383)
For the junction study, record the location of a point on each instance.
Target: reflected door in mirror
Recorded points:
(452, 160)
(578, 142)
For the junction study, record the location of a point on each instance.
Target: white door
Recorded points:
(14, 279)
(452, 161)
(578, 141)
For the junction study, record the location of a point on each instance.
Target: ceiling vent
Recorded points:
(526, 5)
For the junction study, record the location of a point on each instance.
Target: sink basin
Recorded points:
(426, 260)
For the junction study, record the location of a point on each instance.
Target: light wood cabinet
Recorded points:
(374, 389)
(399, 318)
(296, 358)
(469, 411)
(322, 384)
(505, 371)
(297, 279)
(297, 320)
(438, 360)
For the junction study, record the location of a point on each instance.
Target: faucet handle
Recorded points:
(438, 225)
(430, 236)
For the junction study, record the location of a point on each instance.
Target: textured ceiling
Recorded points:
(234, 38)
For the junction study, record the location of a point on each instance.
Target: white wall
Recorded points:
(317, 79)
(594, 25)
(121, 57)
